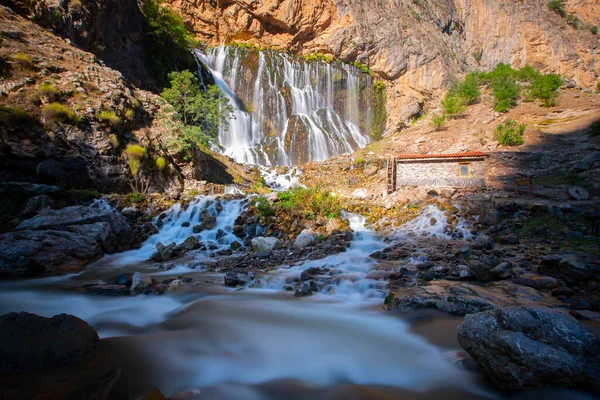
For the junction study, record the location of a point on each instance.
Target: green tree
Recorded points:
(200, 112)
(453, 104)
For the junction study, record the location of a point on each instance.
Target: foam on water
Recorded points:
(347, 279)
(283, 181)
(171, 229)
(432, 222)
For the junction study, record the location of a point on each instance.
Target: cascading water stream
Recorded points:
(288, 110)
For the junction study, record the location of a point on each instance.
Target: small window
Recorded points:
(464, 170)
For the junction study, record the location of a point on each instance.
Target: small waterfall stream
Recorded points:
(288, 110)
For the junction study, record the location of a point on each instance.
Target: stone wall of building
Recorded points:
(439, 173)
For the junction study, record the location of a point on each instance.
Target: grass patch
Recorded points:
(360, 161)
(56, 112)
(160, 163)
(109, 118)
(23, 61)
(558, 7)
(590, 245)
(310, 203)
(543, 225)
(264, 207)
(11, 116)
(49, 91)
(510, 133)
(134, 198)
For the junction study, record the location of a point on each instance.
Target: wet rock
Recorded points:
(305, 289)
(185, 224)
(208, 221)
(174, 285)
(262, 243)
(225, 252)
(537, 282)
(189, 244)
(29, 342)
(235, 245)
(234, 279)
(483, 242)
(35, 204)
(197, 228)
(109, 290)
(521, 347)
(572, 268)
(306, 238)
(311, 272)
(131, 212)
(140, 283)
(124, 279)
(485, 272)
(562, 291)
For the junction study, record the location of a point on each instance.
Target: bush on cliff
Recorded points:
(510, 133)
(310, 203)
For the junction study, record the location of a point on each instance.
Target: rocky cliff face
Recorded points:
(417, 46)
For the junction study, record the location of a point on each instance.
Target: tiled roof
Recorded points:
(469, 154)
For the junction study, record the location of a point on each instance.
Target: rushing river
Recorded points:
(263, 343)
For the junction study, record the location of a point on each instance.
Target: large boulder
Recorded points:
(261, 243)
(520, 347)
(61, 241)
(29, 342)
(485, 272)
(574, 269)
(306, 238)
(117, 236)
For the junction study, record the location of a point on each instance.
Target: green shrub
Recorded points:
(453, 104)
(360, 161)
(56, 112)
(160, 162)
(10, 116)
(598, 87)
(264, 207)
(438, 121)
(506, 94)
(363, 68)
(594, 29)
(49, 91)
(527, 74)
(109, 118)
(510, 133)
(558, 7)
(23, 61)
(310, 203)
(469, 89)
(379, 86)
(129, 114)
(573, 20)
(545, 88)
(134, 197)
(595, 128)
(327, 58)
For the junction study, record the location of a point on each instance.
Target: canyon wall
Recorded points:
(417, 46)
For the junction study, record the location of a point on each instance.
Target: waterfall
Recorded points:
(288, 110)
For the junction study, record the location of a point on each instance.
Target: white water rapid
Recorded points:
(287, 110)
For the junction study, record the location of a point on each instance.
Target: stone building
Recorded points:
(438, 170)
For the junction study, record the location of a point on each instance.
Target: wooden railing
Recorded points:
(391, 174)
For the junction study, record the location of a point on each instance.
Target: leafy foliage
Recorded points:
(200, 112)
(264, 207)
(558, 7)
(166, 40)
(360, 161)
(453, 104)
(510, 133)
(438, 121)
(469, 89)
(311, 203)
(545, 88)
